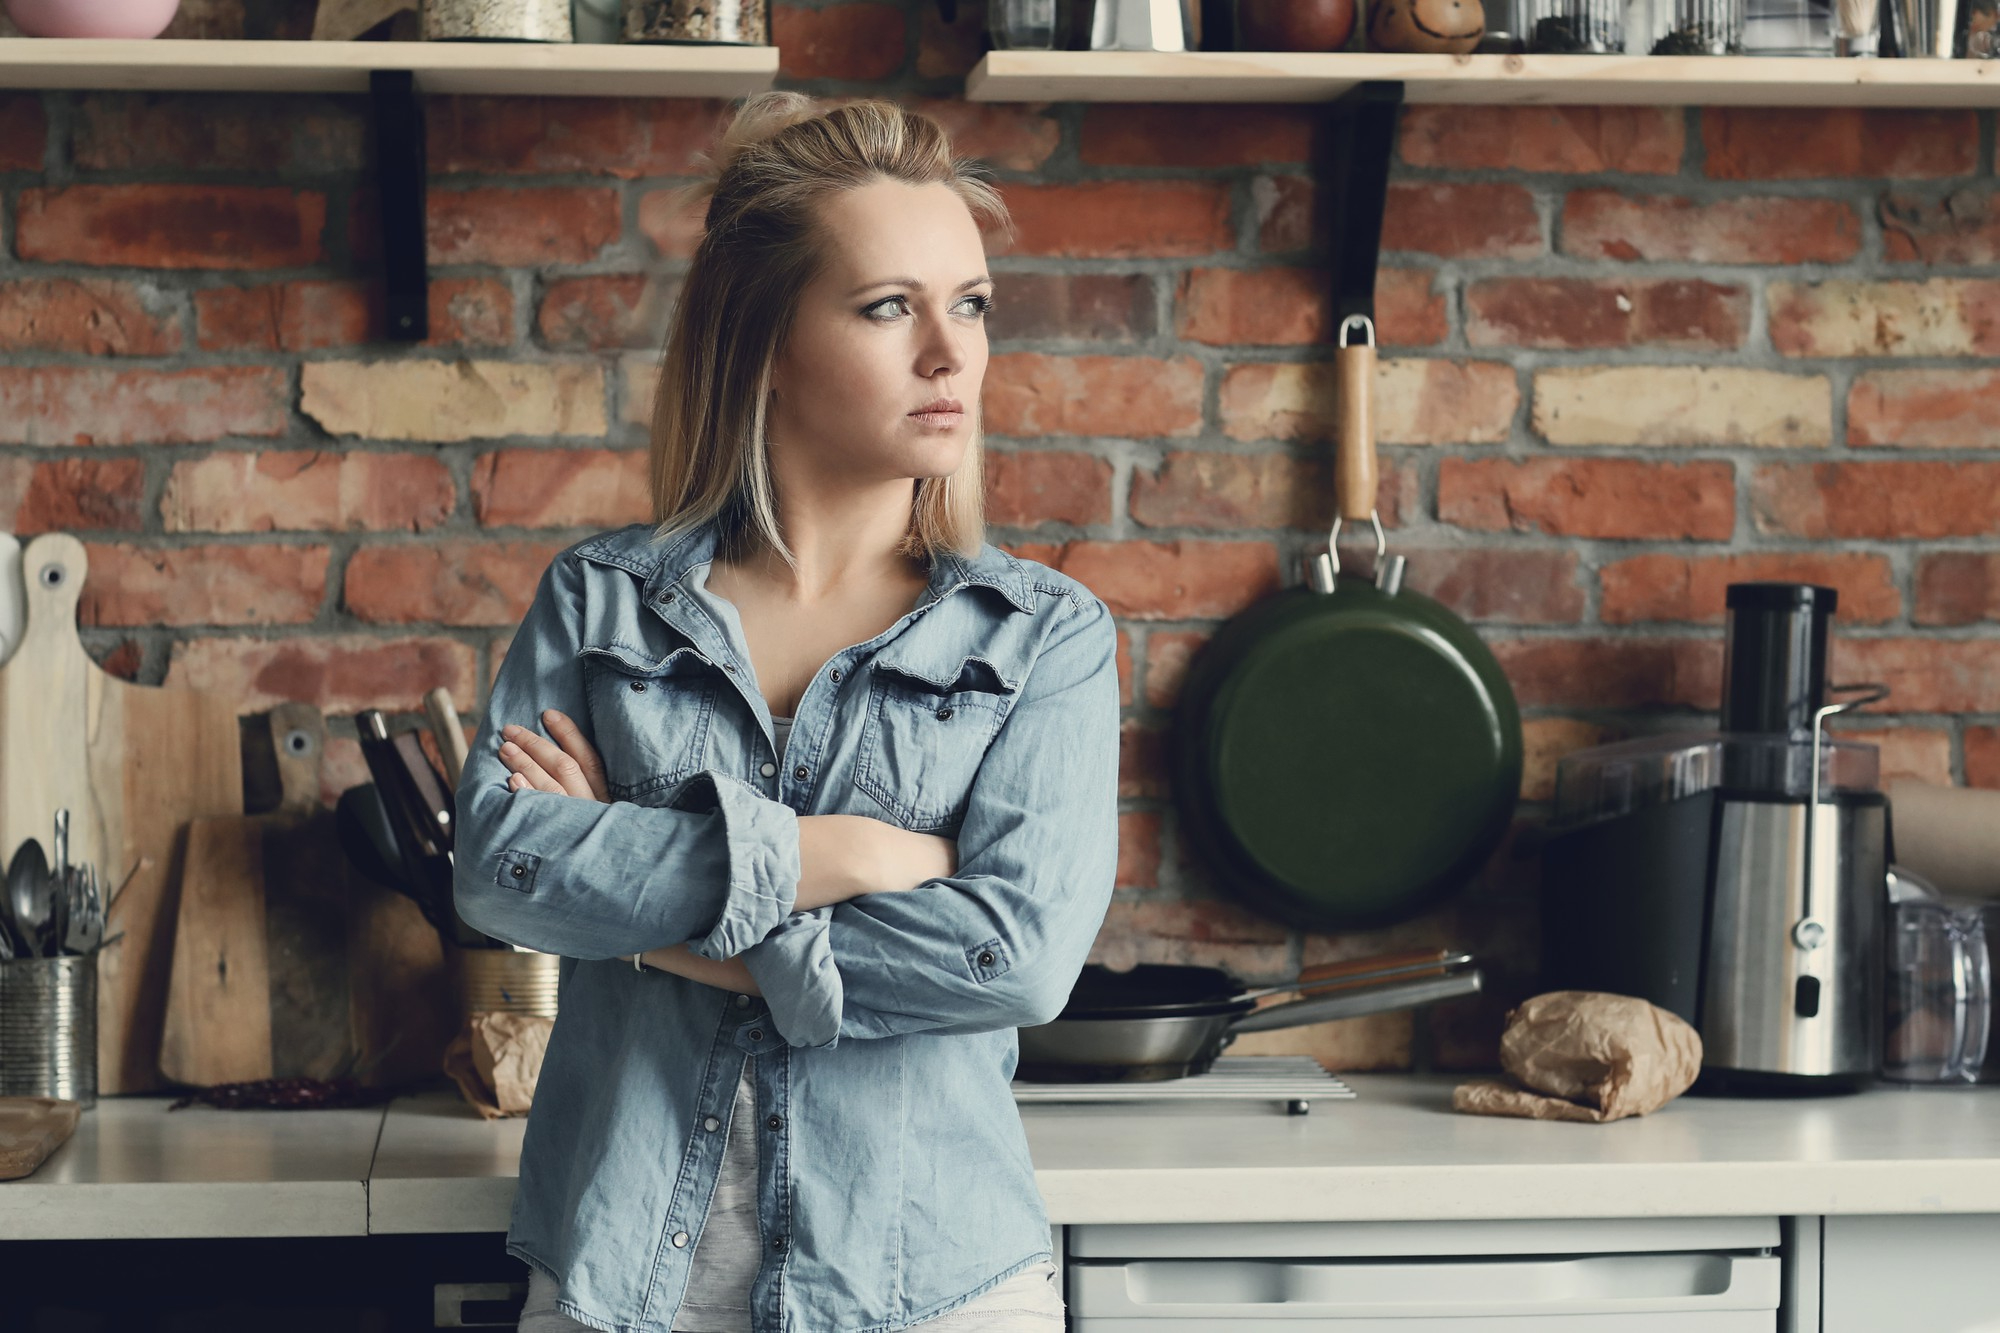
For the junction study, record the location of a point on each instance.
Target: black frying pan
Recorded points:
(1346, 753)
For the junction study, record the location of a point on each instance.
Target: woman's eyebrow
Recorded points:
(915, 284)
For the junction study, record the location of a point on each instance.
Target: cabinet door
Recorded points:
(1929, 1274)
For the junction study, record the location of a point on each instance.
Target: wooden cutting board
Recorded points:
(30, 1129)
(133, 764)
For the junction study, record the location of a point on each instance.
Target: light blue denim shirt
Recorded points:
(895, 1182)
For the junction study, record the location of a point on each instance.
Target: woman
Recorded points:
(826, 804)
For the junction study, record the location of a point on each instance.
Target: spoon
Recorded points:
(28, 895)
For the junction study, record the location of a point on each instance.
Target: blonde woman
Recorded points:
(812, 788)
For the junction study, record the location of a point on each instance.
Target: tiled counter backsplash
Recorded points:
(1629, 356)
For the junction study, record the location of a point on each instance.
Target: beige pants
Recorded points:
(1028, 1302)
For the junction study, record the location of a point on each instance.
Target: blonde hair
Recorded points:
(780, 156)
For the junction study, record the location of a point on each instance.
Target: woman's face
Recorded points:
(894, 321)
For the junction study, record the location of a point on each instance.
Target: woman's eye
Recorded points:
(980, 303)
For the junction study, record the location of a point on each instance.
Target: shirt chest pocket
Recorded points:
(924, 739)
(649, 717)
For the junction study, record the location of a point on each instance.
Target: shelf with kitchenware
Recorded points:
(1548, 80)
(536, 69)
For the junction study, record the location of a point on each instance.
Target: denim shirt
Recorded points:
(895, 1182)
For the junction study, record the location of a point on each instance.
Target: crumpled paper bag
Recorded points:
(1585, 1055)
(495, 1060)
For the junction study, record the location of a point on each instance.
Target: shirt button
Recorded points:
(638, 687)
(800, 772)
(943, 713)
(986, 959)
(729, 667)
(668, 598)
(835, 673)
(778, 1243)
(768, 769)
(519, 872)
(680, 1240)
(756, 1034)
(742, 1002)
(711, 1124)
(776, 1122)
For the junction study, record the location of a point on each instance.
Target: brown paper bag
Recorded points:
(1585, 1055)
(496, 1059)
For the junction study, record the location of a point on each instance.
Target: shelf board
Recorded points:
(538, 69)
(1545, 80)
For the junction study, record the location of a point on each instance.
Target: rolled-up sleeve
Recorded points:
(1000, 942)
(718, 869)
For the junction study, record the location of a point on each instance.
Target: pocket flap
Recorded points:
(684, 660)
(950, 674)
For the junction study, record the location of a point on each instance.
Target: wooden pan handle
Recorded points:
(1379, 963)
(1354, 430)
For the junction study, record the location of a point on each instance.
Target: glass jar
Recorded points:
(1581, 27)
(739, 22)
(497, 20)
(1022, 25)
(1697, 28)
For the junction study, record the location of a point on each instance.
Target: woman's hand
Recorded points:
(567, 766)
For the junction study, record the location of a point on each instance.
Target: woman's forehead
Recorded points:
(889, 230)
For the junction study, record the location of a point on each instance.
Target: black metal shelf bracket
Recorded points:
(1352, 152)
(399, 182)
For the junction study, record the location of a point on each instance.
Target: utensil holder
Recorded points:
(48, 1028)
(514, 981)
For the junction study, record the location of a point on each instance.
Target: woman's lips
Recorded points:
(937, 419)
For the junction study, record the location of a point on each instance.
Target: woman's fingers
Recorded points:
(543, 763)
(574, 744)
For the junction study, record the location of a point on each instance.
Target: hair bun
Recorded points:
(761, 118)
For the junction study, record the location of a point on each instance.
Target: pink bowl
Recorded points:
(92, 18)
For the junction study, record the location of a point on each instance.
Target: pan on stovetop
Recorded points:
(1162, 1021)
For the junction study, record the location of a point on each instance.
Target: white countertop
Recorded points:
(1396, 1152)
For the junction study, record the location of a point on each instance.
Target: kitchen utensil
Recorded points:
(1179, 987)
(29, 894)
(435, 806)
(419, 814)
(443, 715)
(48, 1027)
(218, 1020)
(31, 1128)
(1144, 1047)
(84, 931)
(1346, 754)
(1924, 28)
(1736, 878)
(13, 605)
(1141, 25)
(132, 764)
(1939, 989)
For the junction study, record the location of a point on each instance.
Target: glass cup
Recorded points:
(1022, 25)
(1584, 27)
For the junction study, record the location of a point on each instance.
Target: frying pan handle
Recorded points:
(1355, 479)
(1357, 1003)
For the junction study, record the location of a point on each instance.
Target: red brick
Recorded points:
(1957, 588)
(124, 661)
(1206, 489)
(1677, 587)
(1169, 652)
(51, 405)
(1138, 849)
(1930, 409)
(1418, 400)
(1030, 487)
(172, 225)
(520, 228)
(1938, 317)
(1132, 397)
(1609, 224)
(1589, 497)
(311, 315)
(1961, 228)
(864, 42)
(1500, 585)
(451, 583)
(1982, 757)
(1177, 580)
(1123, 656)
(1922, 753)
(1613, 673)
(72, 494)
(1142, 761)
(1645, 141)
(1201, 933)
(1924, 675)
(202, 133)
(203, 585)
(1180, 134)
(561, 488)
(626, 137)
(1884, 501)
(605, 310)
(1804, 143)
(1009, 136)
(1253, 306)
(1580, 312)
(1097, 307)
(312, 490)
(669, 224)
(1462, 221)
(950, 50)
(88, 316)
(24, 131)
(1120, 219)
(339, 674)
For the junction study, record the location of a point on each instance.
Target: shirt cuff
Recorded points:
(762, 837)
(793, 967)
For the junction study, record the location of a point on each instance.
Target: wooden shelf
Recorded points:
(537, 69)
(1235, 76)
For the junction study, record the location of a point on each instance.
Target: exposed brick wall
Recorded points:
(1629, 356)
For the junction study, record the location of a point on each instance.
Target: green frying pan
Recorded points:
(1344, 753)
